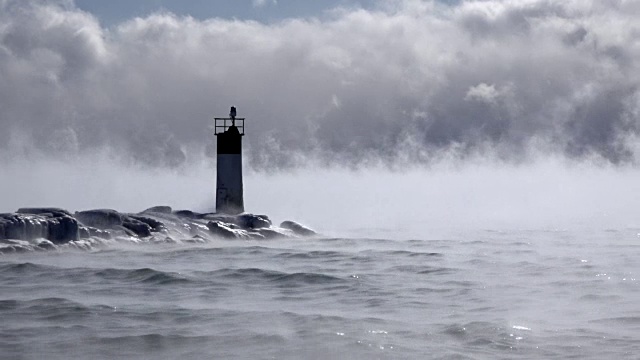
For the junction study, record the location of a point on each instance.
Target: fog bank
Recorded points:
(404, 80)
(421, 202)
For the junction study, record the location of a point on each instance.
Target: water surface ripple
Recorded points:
(486, 295)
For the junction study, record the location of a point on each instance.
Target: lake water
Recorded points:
(473, 295)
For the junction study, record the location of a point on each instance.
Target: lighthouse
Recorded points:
(229, 132)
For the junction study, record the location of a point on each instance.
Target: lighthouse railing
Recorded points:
(223, 124)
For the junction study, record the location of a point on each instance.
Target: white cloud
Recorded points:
(263, 3)
(483, 92)
(151, 85)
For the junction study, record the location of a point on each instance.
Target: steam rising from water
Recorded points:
(420, 202)
(462, 102)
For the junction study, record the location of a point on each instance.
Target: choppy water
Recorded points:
(480, 295)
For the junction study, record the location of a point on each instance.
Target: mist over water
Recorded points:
(545, 195)
(553, 193)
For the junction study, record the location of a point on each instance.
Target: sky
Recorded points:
(115, 11)
(112, 12)
(93, 88)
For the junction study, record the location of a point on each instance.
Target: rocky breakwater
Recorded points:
(48, 227)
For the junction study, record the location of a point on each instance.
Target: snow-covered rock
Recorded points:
(156, 224)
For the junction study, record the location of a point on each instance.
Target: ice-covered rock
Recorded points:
(222, 230)
(88, 231)
(46, 211)
(297, 229)
(155, 225)
(270, 233)
(39, 223)
(254, 221)
(158, 209)
(100, 218)
(131, 224)
(62, 229)
(137, 227)
(188, 214)
(47, 227)
(242, 221)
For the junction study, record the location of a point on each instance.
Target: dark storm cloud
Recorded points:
(412, 80)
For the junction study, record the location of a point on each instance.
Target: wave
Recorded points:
(24, 268)
(49, 309)
(143, 275)
(259, 276)
(419, 269)
(625, 320)
(321, 255)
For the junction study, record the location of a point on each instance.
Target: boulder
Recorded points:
(83, 232)
(250, 221)
(22, 227)
(93, 232)
(220, 229)
(269, 233)
(130, 224)
(62, 230)
(100, 218)
(188, 214)
(46, 245)
(55, 212)
(297, 229)
(120, 230)
(156, 226)
(243, 221)
(138, 228)
(89, 232)
(58, 228)
(159, 210)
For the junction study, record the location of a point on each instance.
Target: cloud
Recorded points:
(483, 93)
(411, 81)
(263, 3)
